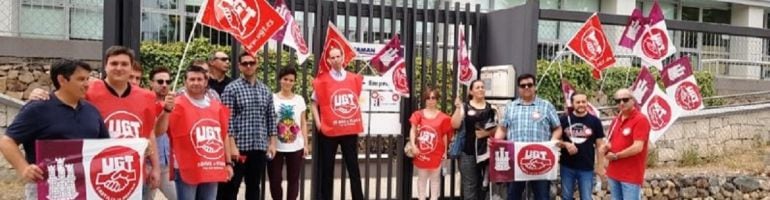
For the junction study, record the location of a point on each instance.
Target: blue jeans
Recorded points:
(584, 178)
(624, 191)
(541, 189)
(202, 191)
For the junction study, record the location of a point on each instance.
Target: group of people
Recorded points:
(580, 136)
(240, 128)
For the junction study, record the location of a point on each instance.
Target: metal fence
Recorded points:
(52, 19)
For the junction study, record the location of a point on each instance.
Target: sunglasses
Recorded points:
(223, 59)
(252, 63)
(622, 100)
(527, 85)
(163, 82)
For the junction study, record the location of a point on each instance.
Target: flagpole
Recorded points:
(184, 55)
(555, 59)
(628, 72)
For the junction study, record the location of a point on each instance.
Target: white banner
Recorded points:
(366, 51)
(536, 161)
(662, 112)
(380, 107)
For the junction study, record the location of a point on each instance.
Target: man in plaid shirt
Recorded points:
(252, 126)
(529, 119)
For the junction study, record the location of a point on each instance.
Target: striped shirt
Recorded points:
(252, 114)
(530, 123)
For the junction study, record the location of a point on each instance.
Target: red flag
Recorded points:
(388, 56)
(396, 76)
(466, 71)
(290, 34)
(250, 22)
(662, 112)
(590, 44)
(335, 39)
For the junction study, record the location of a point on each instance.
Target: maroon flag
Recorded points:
(466, 71)
(290, 34)
(91, 169)
(681, 84)
(501, 162)
(655, 44)
(634, 28)
(388, 56)
(643, 87)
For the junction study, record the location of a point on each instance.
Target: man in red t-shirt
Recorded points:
(627, 148)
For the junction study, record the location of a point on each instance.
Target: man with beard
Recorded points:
(198, 131)
(583, 136)
(253, 125)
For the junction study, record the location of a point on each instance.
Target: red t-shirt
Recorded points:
(125, 117)
(338, 104)
(197, 136)
(430, 139)
(622, 135)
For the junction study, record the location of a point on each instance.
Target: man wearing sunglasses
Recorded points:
(218, 67)
(529, 119)
(160, 82)
(627, 148)
(252, 126)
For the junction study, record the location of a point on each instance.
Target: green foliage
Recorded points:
(652, 157)
(154, 54)
(690, 157)
(579, 75)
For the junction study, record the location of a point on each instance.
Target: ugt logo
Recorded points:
(122, 124)
(207, 139)
(344, 103)
(238, 15)
(115, 173)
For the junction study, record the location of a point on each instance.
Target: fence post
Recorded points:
(121, 26)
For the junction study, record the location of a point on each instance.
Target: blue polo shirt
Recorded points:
(52, 119)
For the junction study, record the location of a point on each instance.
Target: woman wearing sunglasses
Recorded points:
(428, 136)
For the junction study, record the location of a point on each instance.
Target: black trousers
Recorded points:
(252, 170)
(327, 148)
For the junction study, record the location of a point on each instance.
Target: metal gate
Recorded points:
(428, 30)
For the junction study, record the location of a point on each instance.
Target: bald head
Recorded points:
(625, 101)
(623, 93)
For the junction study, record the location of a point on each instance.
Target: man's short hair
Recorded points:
(158, 70)
(137, 67)
(525, 76)
(199, 62)
(240, 57)
(571, 97)
(119, 50)
(66, 68)
(195, 69)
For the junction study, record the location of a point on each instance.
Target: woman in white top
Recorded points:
(292, 137)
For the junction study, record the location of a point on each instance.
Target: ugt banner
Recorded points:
(111, 169)
(500, 163)
(535, 161)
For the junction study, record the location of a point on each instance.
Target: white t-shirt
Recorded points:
(289, 112)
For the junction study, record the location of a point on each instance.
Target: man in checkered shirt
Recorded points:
(252, 127)
(529, 119)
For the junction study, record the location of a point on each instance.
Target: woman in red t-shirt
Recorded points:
(428, 137)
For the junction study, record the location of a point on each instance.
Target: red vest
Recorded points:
(338, 104)
(127, 117)
(198, 137)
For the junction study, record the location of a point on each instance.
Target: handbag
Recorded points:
(458, 142)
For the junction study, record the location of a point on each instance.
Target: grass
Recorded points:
(690, 157)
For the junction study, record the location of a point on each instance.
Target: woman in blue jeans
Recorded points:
(478, 118)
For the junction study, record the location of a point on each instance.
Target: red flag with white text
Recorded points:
(396, 77)
(661, 111)
(655, 44)
(591, 44)
(535, 161)
(251, 22)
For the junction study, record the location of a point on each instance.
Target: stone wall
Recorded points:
(714, 132)
(19, 76)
